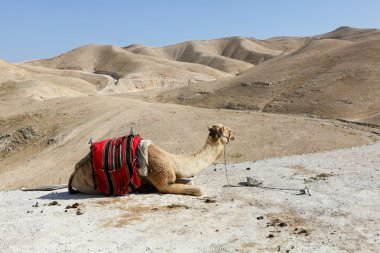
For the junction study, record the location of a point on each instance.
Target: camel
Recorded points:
(166, 172)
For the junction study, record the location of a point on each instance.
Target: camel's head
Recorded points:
(224, 133)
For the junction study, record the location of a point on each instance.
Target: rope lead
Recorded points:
(225, 165)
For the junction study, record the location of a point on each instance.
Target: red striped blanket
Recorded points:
(114, 165)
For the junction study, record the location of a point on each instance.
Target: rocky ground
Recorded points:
(341, 215)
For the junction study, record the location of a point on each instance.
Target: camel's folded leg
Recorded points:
(180, 189)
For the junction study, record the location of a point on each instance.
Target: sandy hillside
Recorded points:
(350, 33)
(341, 215)
(20, 86)
(129, 70)
(48, 138)
(334, 75)
(232, 55)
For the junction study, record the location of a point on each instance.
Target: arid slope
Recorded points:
(330, 77)
(24, 85)
(50, 108)
(232, 55)
(40, 144)
(129, 70)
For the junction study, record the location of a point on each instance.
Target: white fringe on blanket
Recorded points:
(143, 146)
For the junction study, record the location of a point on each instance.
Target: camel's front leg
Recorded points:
(180, 189)
(165, 182)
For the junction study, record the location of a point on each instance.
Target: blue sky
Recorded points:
(45, 28)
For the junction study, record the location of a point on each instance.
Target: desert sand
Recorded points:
(305, 111)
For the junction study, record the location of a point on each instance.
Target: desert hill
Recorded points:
(232, 55)
(41, 142)
(266, 90)
(130, 71)
(331, 75)
(23, 85)
(328, 77)
(351, 34)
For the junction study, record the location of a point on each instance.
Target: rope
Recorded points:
(302, 191)
(225, 165)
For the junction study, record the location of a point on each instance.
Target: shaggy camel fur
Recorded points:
(166, 171)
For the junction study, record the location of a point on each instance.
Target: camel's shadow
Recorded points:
(65, 195)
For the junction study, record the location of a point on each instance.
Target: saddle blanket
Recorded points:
(115, 164)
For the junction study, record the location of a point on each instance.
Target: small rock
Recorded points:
(210, 200)
(75, 205)
(50, 141)
(79, 212)
(248, 168)
(276, 222)
(35, 205)
(259, 218)
(253, 181)
(270, 236)
(54, 203)
(301, 231)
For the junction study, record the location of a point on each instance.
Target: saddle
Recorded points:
(114, 164)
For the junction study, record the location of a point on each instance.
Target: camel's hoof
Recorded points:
(198, 192)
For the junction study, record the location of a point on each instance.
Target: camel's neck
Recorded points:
(190, 165)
